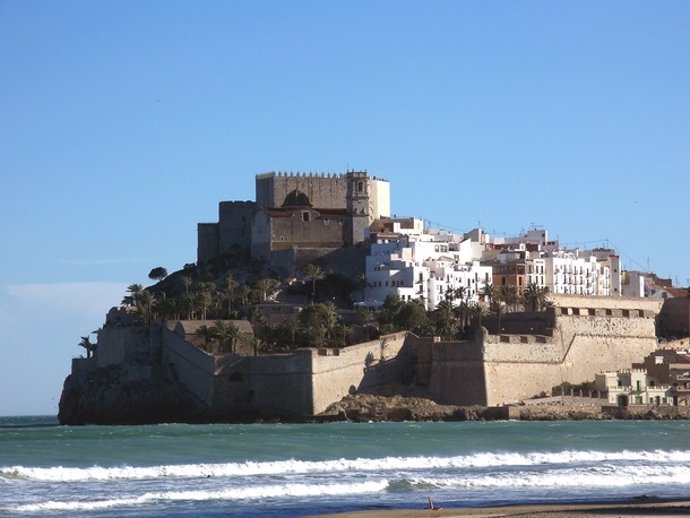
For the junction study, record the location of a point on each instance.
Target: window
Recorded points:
(360, 186)
(305, 216)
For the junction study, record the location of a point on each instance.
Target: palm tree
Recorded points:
(135, 292)
(362, 283)
(229, 284)
(188, 297)
(168, 308)
(367, 318)
(534, 296)
(145, 307)
(207, 334)
(90, 347)
(291, 326)
(329, 317)
(203, 298)
(498, 310)
(446, 323)
(314, 273)
(257, 345)
(227, 335)
(243, 294)
(489, 292)
(266, 286)
(476, 313)
(509, 294)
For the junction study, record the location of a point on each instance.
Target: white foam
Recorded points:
(602, 476)
(244, 493)
(378, 465)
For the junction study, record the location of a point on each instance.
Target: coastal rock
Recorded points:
(369, 407)
(106, 396)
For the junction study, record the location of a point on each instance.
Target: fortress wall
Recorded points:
(118, 345)
(235, 225)
(318, 232)
(192, 366)
(457, 373)
(602, 302)
(207, 242)
(582, 346)
(337, 372)
(266, 385)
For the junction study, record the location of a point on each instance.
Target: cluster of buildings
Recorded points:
(344, 219)
(663, 378)
(418, 263)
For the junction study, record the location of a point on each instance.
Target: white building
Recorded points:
(424, 266)
(631, 387)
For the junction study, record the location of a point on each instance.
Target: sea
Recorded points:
(285, 470)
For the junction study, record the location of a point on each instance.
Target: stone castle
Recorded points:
(297, 218)
(159, 373)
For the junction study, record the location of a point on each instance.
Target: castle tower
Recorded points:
(358, 204)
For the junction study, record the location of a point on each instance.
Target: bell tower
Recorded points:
(358, 203)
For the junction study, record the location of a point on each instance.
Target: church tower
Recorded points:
(358, 204)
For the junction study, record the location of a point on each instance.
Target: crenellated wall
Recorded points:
(590, 335)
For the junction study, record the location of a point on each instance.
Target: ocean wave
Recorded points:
(244, 494)
(601, 476)
(377, 465)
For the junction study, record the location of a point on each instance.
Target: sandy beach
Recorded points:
(665, 508)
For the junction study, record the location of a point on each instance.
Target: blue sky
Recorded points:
(122, 124)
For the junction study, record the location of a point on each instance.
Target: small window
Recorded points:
(305, 216)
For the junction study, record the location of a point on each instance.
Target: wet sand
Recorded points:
(665, 508)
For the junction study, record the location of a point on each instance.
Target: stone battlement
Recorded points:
(298, 174)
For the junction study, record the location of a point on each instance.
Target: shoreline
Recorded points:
(653, 507)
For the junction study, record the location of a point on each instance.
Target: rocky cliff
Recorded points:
(106, 396)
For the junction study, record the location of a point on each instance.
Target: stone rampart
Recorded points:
(457, 372)
(590, 335)
(191, 365)
(338, 372)
(118, 345)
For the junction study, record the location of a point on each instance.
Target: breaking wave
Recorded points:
(371, 465)
(244, 493)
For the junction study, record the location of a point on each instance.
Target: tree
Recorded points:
(489, 292)
(207, 334)
(203, 298)
(257, 345)
(158, 273)
(314, 273)
(229, 285)
(90, 347)
(445, 320)
(266, 286)
(498, 310)
(510, 295)
(135, 292)
(291, 326)
(227, 335)
(410, 315)
(534, 296)
(329, 318)
(188, 296)
(146, 307)
(362, 284)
